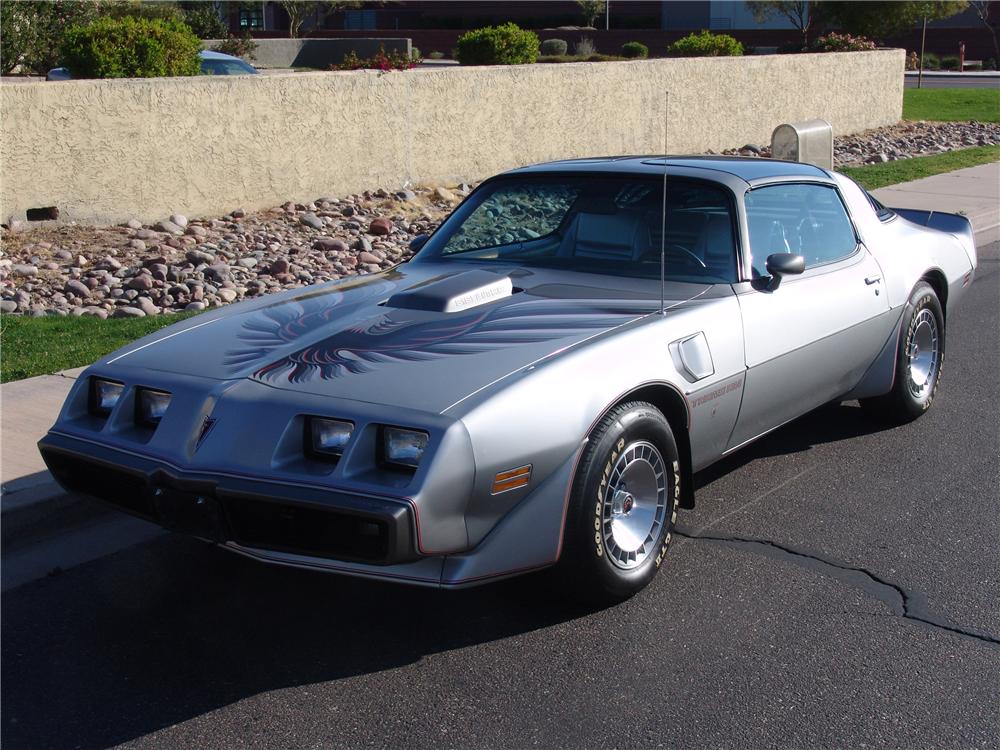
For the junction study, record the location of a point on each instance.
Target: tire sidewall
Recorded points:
(640, 422)
(922, 298)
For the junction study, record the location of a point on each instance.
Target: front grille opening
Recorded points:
(306, 531)
(127, 491)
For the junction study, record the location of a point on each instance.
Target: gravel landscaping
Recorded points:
(902, 141)
(179, 264)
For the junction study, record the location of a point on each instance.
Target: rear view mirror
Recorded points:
(783, 264)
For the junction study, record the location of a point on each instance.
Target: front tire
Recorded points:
(623, 506)
(919, 360)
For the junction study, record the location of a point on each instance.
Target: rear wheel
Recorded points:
(623, 505)
(919, 358)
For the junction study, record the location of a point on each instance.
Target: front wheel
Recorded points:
(622, 507)
(919, 359)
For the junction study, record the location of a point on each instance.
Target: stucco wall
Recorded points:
(111, 150)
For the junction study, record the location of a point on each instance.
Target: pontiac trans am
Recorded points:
(537, 385)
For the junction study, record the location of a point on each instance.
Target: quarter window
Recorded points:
(809, 220)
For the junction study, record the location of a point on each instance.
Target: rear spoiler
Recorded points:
(954, 224)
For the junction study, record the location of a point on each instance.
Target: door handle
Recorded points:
(873, 280)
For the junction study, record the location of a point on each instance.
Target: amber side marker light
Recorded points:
(512, 479)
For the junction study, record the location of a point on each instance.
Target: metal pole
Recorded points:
(607, 15)
(663, 226)
(923, 42)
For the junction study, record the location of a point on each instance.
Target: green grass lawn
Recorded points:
(36, 346)
(952, 104)
(873, 176)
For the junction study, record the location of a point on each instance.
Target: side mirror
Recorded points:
(418, 242)
(783, 264)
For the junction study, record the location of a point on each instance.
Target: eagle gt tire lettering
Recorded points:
(623, 505)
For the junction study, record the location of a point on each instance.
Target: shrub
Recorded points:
(949, 62)
(635, 49)
(579, 58)
(989, 64)
(834, 42)
(240, 46)
(382, 60)
(585, 47)
(706, 44)
(932, 61)
(435, 55)
(131, 48)
(554, 47)
(507, 44)
(205, 22)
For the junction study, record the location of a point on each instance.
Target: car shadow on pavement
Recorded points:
(171, 630)
(828, 424)
(168, 631)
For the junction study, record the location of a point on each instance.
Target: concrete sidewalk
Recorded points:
(29, 407)
(974, 191)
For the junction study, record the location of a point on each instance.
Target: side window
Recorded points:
(809, 220)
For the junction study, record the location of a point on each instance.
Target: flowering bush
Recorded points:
(238, 46)
(706, 44)
(382, 61)
(834, 42)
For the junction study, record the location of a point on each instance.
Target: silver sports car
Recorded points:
(537, 385)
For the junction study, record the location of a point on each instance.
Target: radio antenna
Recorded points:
(663, 224)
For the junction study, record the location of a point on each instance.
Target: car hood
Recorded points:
(421, 335)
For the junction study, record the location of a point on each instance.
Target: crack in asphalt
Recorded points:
(904, 604)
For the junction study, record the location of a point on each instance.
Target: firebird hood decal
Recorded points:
(412, 336)
(344, 340)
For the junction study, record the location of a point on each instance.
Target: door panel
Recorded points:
(809, 340)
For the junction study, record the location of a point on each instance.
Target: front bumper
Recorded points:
(249, 513)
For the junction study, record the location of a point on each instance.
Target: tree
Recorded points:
(591, 10)
(880, 20)
(982, 8)
(300, 11)
(18, 33)
(801, 14)
(205, 19)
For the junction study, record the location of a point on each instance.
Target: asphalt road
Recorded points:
(865, 612)
(954, 82)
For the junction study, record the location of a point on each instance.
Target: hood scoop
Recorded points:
(454, 293)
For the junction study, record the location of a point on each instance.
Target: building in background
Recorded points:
(436, 24)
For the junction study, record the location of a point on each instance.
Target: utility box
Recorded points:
(810, 141)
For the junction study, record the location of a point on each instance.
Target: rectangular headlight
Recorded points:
(104, 395)
(327, 438)
(150, 406)
(403, 447)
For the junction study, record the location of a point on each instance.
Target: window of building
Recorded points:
(251, 16)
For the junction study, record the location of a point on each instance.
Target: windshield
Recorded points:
(597, 224)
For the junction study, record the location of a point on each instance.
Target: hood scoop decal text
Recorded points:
(453, 294)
